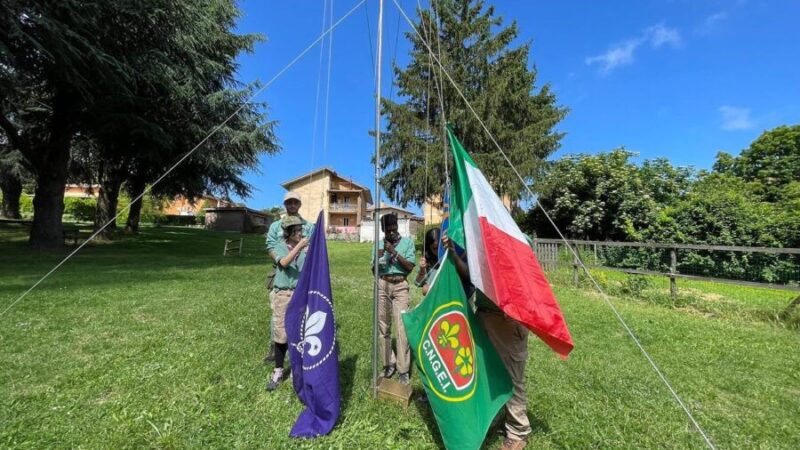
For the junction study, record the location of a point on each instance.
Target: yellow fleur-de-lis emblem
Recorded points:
(447, 334)
(464, 361)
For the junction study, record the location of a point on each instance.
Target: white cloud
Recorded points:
(735, 118)
(660, 35)
(623, 54)
(712, 23)
(715, 19)
(620, 55)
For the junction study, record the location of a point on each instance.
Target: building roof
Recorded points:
(288, 183)
(244, 209)
(388, 206)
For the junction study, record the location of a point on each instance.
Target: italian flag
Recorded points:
(501, 261)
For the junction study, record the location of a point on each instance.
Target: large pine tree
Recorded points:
(475, 49)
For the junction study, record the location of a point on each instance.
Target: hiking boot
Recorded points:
(275, 380)
(513, 444)
(404, 379)
(388, 371)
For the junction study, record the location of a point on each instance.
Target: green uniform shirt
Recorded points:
(275, 233)
(286, 277)
(390, 266)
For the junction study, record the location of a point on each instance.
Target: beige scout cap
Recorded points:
(291, 195)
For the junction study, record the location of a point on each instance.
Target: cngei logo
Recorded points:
(447, 353)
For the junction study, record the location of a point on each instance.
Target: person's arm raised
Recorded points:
(286, 260)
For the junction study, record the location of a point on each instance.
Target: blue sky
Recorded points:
(681, 79)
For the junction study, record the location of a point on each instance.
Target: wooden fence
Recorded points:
(781, 271)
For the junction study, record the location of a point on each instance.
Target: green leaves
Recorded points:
(604, 196)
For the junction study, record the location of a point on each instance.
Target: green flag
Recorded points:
(466, 381)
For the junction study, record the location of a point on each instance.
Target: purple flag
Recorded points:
(312, 342)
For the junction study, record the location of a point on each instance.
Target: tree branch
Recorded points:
(10, 131)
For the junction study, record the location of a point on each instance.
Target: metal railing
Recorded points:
(343, 207)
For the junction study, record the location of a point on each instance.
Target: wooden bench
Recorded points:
(23, 222)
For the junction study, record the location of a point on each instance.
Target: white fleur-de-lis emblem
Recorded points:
(314, 324)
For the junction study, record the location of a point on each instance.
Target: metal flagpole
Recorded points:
(377, 201)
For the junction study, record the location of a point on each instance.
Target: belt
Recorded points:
(393, 278)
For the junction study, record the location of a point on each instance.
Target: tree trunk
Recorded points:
(47, 231)
(110, 182)
(135, 189)
(50, 160)
(12, 190)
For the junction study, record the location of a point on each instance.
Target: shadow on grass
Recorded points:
(538, 426)
(347, 376)
(154, 255)
(420, 401)
(494, 436)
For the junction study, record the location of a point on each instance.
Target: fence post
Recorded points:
(673, 264)
(241, 242)
(596, 263)
(225, 250)
(575, 268)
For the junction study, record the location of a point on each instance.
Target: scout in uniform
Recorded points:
(510, 340)
(290, 255)
(396, 260)
(292, 203)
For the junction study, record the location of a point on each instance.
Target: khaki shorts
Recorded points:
(279, 302)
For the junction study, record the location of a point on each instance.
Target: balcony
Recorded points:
(343, 208)
(342, 230)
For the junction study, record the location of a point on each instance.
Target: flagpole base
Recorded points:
(393, 391)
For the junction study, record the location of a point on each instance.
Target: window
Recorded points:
(346, 221)
(346, 199)
(334, 199)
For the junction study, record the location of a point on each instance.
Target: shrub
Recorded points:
(635, 285)
(175, 220)
(80, 209)
(26, 206)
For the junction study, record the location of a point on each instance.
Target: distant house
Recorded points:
(396, 210)
(182, 206)
(408, 224)
(343, 200)
(82, 190)
(237, 218)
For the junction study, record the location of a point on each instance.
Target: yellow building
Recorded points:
(433, 211)
(343, 200)
(82, 190)
(182, 206)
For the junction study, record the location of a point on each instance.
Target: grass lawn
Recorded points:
(156, 341)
